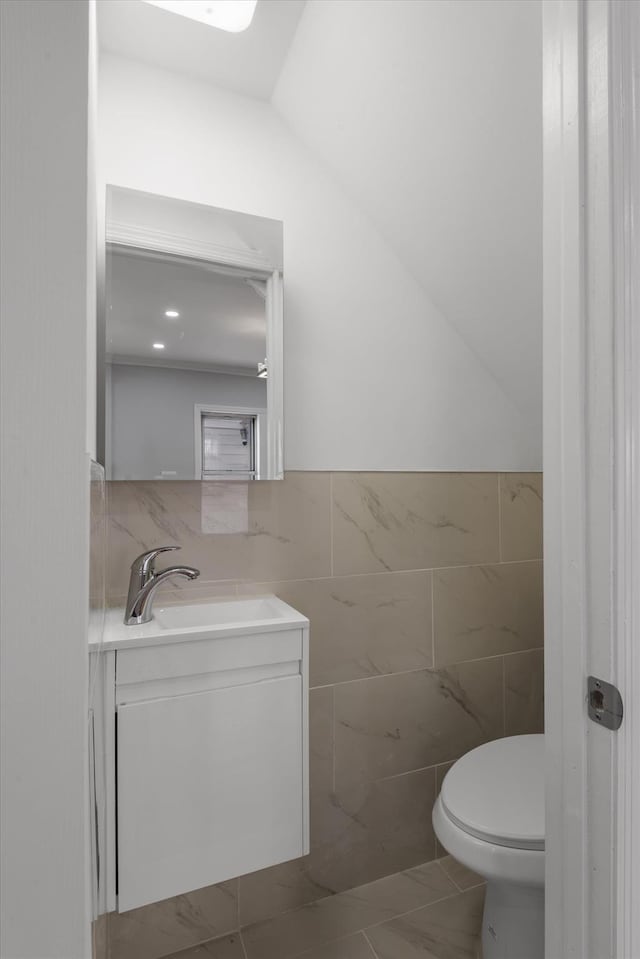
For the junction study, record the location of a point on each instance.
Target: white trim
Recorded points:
(564, 465)
(625, 133)
(107, 389)
(147, 238)
(258, 286)
(597, 424)
(275, 379)
(214, 408)
(191, 365)
(105, 774)
(592, 472)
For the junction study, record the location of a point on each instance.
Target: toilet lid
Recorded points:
(496, 792)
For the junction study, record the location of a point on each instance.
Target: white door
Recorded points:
(592, 472)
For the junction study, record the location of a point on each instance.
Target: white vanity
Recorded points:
(199, 766)
(205, 712)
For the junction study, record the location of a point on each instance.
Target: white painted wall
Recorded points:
(367, 354)
(429, 115)
(152, 416)
(46, 297)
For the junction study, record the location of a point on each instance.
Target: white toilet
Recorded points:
(490, 816)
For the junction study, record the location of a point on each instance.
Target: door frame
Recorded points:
(625, 124)
(591, 80)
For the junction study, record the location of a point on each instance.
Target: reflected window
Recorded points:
(229, 448)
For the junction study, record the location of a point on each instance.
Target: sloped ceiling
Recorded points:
(247, 62)
(429, 114)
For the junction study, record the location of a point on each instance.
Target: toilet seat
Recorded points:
(495, 793)
(493, 862)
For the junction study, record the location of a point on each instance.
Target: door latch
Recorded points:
(605, 703)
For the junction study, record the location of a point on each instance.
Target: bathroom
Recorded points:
(410, 221)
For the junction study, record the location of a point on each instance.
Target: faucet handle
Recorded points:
(144, 563)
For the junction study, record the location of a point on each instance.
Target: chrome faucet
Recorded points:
(144, 581)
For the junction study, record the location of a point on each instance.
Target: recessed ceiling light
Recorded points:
(158, 346)
(172, 314)
(232, 15)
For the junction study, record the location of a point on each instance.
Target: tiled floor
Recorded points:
(430, 912)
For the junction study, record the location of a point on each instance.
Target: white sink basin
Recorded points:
(262, 614)
(235, 611)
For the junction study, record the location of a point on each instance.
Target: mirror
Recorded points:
(192, 368)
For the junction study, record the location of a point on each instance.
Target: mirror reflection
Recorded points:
(193, 342)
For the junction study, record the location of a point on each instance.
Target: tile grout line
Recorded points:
(433, 624)
(450, 878)
(374, 925)
(333, 738)
(196, 945)
(388, 572)
(428, 669)
(291, 909)
(411, 772)
(447, 762)
(504, 696)
(370, 944)
(499, 517)
(117, 599)
(236, 931)
(402, 915)
(331, 561)
(314, 902)
(244, 948)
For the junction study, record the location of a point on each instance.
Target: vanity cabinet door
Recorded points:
(210, 786)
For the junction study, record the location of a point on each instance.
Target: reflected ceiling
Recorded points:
(221, 322)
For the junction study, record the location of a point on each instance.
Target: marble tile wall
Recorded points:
(424, 592)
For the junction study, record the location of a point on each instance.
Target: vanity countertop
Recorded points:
(190, 623)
